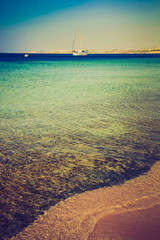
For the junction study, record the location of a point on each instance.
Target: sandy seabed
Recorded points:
(127, 212)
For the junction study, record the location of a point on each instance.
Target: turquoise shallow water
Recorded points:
(79, 101)
(72, 124)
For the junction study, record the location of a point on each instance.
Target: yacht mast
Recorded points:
(77, 39)
(81, 40)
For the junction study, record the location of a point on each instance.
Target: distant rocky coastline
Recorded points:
(116, 51)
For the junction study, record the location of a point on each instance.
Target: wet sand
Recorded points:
(127, 212)
(133, 225)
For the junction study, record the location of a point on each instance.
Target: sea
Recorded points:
(71, 124)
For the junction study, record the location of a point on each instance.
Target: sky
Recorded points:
(46, 25)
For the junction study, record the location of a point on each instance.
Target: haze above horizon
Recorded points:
(49, 25)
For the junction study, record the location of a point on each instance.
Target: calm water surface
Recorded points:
(71, 123)
(64, 106)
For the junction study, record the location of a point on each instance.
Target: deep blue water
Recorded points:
(70, 57)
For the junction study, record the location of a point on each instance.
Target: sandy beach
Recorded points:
(137, 224)
(127, 212)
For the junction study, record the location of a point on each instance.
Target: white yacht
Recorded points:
(77, 48)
